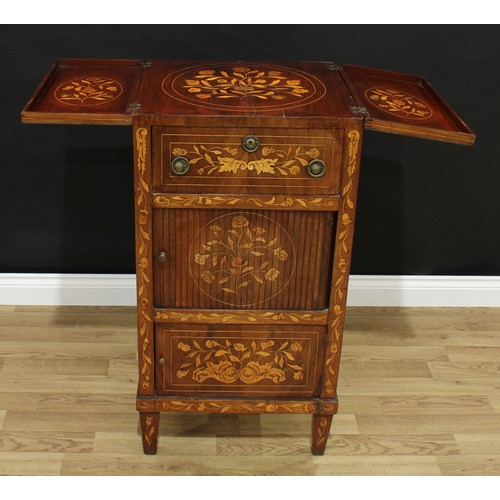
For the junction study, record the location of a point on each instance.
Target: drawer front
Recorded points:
(242, 259)
(239, 360)
(217, 162)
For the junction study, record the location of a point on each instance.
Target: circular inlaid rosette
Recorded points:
(398, 103)
(239, 87)
(242, 258)
(88, 91)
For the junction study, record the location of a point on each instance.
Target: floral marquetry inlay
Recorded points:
(240, 82)
(274, 160)
(241, 317)
(240, 251)
(245, 201)
(228, 406)
(144, 320)
(344, 233)
(239, 360)
(227, 86)
(398, 103)
(88, 91)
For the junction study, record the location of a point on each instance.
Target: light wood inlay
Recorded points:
(240, 317)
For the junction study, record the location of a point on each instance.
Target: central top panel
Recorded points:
(243, 86)
(247, 89)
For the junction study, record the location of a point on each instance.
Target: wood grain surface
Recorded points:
(70, 411)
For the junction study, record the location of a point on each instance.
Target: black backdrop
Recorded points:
(424, 207)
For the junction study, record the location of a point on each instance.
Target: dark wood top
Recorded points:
(267, 93)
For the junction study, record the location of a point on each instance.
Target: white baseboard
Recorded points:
(119, 290)
(424, 291)
(68, 289)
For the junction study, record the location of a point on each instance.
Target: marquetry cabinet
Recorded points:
(246, 178)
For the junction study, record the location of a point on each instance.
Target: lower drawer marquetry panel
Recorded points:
(232, 360)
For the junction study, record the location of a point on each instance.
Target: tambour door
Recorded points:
(249, 259)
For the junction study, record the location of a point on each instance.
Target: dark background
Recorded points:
(66, 202)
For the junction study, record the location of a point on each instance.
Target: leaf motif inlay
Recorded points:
(241, 317)
(226, 159)
(343, 233)
(229, 406)
(143, 265)
(174, 201)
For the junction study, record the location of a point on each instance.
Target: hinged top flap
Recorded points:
(403, 104)
(87, 92)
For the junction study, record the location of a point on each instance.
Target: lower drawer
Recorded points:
(237, 360)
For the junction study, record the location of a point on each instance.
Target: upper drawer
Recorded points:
(242, 160)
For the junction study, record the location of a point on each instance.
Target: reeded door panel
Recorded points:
(242, 259)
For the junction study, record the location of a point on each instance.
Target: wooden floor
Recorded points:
(419, 395)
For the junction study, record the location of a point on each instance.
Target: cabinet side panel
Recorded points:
(341, 261)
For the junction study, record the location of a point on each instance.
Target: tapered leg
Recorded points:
(320, 430)
(149, 425)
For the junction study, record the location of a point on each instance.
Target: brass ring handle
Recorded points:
(180, 165)
(250, 143)
(316, 168)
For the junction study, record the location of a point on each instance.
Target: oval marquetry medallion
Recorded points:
(239, 87)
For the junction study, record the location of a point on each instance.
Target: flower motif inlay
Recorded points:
(241, 256)
(242, 83)
(88, 91)
(398, 103)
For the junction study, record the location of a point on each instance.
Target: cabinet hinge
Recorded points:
(145, 64)
(360, 109)
(135, 106)
(334, 67)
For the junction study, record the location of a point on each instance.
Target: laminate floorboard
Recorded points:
(419, 394)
